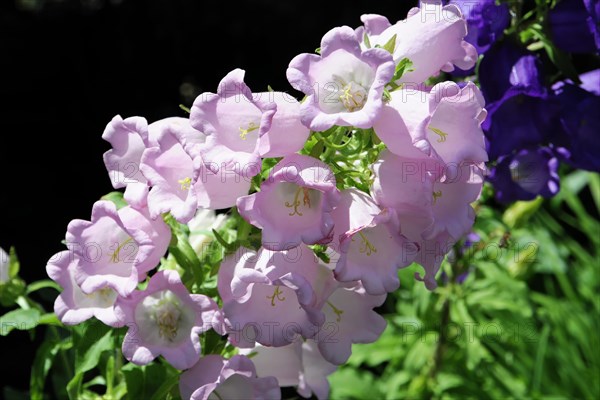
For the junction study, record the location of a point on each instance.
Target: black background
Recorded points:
(69, 66)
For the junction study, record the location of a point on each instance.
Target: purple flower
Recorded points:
(443, 123)
(520, 121)
(581, 122)
(344, 85)
(406, 186)
(128, 138)
(509, 67)
(233, 120)
(171, 173)
(109, 253)
(431, 37)
(371, 246)
(525, 175)
(271, 297)
(165, 319)
(349, 313)
(294, 204)
(486, 21)
(574, 25)
(214, 377)
(451, 204)
(431, 255)
(73, 306)
(298, 364)
(287, 134)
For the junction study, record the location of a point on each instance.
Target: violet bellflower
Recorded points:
(486, 21)
(272, 297)
(525, 175)
(171, 173)
(165, 319)
(370, 244)
(241, 127)
(431, 37)
(294, 204)
(580, 120)
(128, 138)
(344, 84)
(73, 306)
(214, 377)
(349, 318)
(298, 364)
(443, 123)
(110, 254)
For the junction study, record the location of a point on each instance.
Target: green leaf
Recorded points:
(366, 40)
(116, 198)
(145, 381)
(349, 383)
(42, 363)
(390, 45)
(164, 389)
(90, 341)
(19, 319)
(184, 108)
(43, 284)
(403, 66)
(74, 387)
(519, 213)
(13, 263)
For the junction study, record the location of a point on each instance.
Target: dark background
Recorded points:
(69, 66)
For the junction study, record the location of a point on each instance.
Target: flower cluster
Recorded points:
(327, 198)
(535, 121)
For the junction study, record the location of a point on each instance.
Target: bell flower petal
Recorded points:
(165, 319)
(294, 204)
(344, 84)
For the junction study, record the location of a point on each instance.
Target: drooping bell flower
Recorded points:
(294, 204)
(525, 175)
(241, 127)
(165, 319)
(272, 297)
(137, 216)
(431, 37)
(406, 186)
(580, 120)
(233, 120)
(508, 67)
(370, 244)
(128, 138)
(171, 173)
(344, 84)
(486, 21)
(109, 253)
(451, 204)
(73, 306)
(444, 123)
(431, 254)
(298, 364)
(349, 318)
(214, 377)
(287, 134)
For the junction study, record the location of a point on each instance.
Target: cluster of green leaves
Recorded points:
(522, 324)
